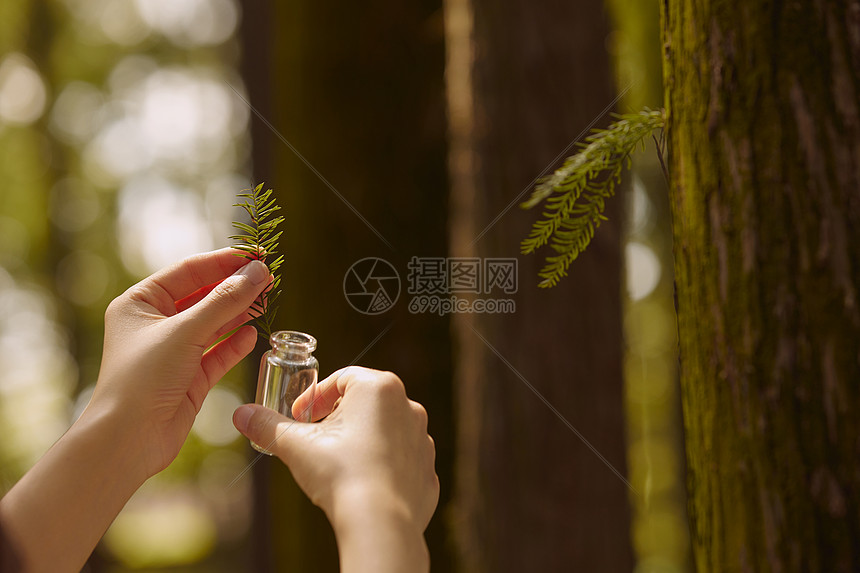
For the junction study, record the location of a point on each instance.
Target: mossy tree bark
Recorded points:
(524, 78)
(765, 166)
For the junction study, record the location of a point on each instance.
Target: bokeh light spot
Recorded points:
(76, 113)
(161, 531)
(22, 92)
(214, 422)
(643, 270)
(190, 23)
(83, 277)
(159, 224)
(122, 24)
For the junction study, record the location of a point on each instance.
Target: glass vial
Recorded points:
(286, 371)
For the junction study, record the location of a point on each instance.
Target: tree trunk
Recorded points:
(255, 67)
(764, 139)
(524, 78)
(655, 433)
(357, 89)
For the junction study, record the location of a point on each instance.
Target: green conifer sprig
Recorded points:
(258, 241)
(576, 193)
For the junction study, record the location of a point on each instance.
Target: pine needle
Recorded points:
(258, 241)
(576, 193)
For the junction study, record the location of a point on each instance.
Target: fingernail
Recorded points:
(255, 271)
(242, 416)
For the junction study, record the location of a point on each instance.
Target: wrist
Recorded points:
(59, 510)
(376, 531)
(111, 435)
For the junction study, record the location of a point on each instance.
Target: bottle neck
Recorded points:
(292, 346)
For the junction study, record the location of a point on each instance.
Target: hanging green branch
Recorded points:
(258, 241)
(575, 194)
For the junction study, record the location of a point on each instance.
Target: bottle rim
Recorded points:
(293, 338)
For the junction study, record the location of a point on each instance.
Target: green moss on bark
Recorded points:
(763, 118)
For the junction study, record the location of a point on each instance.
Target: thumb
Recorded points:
(268, 429)
(230, 298)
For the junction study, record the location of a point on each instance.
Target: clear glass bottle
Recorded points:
(286, 371)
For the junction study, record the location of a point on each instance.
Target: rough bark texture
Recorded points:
(765, 167)
(525, 77)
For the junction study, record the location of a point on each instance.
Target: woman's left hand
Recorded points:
(159, 362)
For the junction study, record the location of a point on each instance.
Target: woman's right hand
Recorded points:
(369, 465)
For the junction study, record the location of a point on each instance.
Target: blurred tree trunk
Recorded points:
(255, 67)
(655, 432)
(358, 90)
(764, 101)
(524, 78)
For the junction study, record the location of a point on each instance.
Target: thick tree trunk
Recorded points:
(357, 89)
(524, 78)
(765, 166)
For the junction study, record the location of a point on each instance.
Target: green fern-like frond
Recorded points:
(258, 241)
(574, 196)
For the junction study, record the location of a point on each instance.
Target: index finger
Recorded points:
(193, 298)
(321, 401)
(198, 271)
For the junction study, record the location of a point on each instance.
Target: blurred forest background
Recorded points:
(126, 130)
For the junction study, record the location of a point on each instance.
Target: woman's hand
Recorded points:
(157, 366)
(369, 465)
